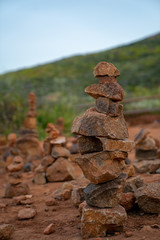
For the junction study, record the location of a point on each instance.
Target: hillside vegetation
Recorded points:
(59, 85)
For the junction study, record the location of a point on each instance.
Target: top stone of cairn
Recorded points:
(105, 69)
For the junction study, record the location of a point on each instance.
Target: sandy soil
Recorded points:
(66, 217)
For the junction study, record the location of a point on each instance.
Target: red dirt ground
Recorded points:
(66, 217)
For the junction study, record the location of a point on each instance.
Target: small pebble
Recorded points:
(128, 234)
(49, 229)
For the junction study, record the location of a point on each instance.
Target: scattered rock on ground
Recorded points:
(26, 213)
(6, 230)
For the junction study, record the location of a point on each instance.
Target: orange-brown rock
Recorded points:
(100, 167)
(127, 200)
(106, 79)
(147, 144)
(107, 106)
(12, 138)
(26, 213)
(92, 123)
(96, 222)
(29, 146)
(146, 166)
(61, 170)
(110, 90)
(130, 170)
(16, 165)
(52, 131)
(47, 161)
(49, 229)
(3, 140)
(16, 190)
(30, 123)
(105, 69)
(58, 151)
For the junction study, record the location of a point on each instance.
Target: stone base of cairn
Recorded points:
(16, 187)
(146, 153)
(54, 166)
(103, 146)
(28, 144)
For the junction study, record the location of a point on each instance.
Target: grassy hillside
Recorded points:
(59, 86)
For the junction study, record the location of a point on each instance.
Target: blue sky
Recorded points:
(34, 32)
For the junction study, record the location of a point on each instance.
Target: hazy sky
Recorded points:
(37, 31)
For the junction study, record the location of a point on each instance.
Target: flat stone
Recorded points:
(6, 231)
(49, 229)
(107, 106)
(147, 144)
(146, 166)
(146, 154)
(148, 197)
(105, 194)
(127, 200)
(100, 167)
(97, 222)
(93, 144)
(117, 145)
(16, 190)
(141, 135)
(39, 178)
(59, 140)
(47, 161)
(105, 69)
(22, 200)
(92, 123)
(26, 213)
(59, 151)
(61, 170)
(133, 183)
(111, 90)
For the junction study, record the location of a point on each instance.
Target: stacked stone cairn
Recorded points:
(103, 146)
(28, 143)
(16, 187)
(146, 153)
(55, 166)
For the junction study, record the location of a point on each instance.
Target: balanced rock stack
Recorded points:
(54, 166)
(146, 152)
(103, 146)
(28, 143)
(16, 187)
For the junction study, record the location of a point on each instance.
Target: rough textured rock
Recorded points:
(146, 154)
(106, 194)
(99, 167)
(61, 170)
(148, 197)
(110, 90)
(146, 166)
(17, 164)
(39, 178)
(117, 145)
(127, 200)
(96, 221)
(49, 229)
(89, 145)
(26, 213)
(130, 170)
(77, 196)
(106, 79)
(92, 123)
(105, 69)
(16, 190)
(58, 151)
(6, 231)
(107, 106)
(132, 184)
(47, 161)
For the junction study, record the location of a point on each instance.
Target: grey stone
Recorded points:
(146, 154)
(105, 194)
